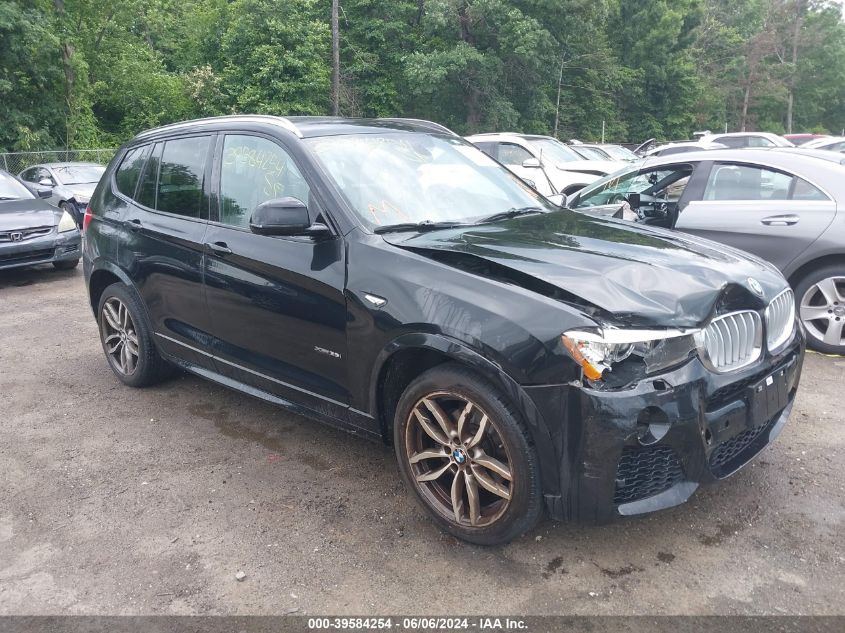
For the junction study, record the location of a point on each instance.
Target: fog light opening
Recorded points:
(652, 425)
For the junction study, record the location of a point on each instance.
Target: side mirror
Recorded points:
(634, 200)
(45, 182)
(284, 216)
(559, 199)
(531, 163)
(43, 193)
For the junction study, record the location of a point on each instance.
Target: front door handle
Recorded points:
(780, 220)
(221, 248)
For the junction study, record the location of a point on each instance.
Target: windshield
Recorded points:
(79, 174)
(554, 151)
(399, 177)
(11, 189)
(591, 153)
(668, 183)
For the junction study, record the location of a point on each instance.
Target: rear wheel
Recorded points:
(464, 452)
(821, 307)
(127, 340)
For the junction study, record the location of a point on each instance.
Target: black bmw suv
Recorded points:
(387, 277)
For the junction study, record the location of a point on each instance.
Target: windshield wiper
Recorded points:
(511, 213)
(425, 225)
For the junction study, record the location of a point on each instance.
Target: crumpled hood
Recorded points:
(24, 214)
(82, 191)
(636, 272)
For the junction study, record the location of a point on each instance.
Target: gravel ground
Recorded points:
(123, 501)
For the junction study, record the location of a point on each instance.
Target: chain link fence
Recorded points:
(16, 162)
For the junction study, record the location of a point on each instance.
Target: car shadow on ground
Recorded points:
(18, 277)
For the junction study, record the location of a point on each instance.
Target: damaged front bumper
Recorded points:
(646, 448)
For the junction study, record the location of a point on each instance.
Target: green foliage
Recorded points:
(84, 73)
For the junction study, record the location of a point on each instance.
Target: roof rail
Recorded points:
(430, 124)
(234, 118)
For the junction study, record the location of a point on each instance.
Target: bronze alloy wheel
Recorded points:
(120, 339)
(458, 459)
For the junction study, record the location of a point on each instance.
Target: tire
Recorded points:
(66, 265)
(821, 294)
(497, 518)
(146, 367)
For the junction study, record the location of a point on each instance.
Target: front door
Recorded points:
(277, 303)
(770, 213)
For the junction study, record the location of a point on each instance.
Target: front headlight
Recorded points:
(66, 223)
(635, 353)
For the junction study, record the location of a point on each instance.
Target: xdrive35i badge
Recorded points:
(327, 352)
(755, 286)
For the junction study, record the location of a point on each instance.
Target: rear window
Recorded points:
(129, 171)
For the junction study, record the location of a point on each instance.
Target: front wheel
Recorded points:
(821, 307)
(464, 452)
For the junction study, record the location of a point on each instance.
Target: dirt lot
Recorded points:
(122, 501)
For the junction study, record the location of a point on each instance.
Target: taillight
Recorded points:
(86, 219)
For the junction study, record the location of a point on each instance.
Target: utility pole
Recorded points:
(559, 82)
(335, 59)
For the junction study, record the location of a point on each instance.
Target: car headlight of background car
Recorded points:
(66, 223)
(627, 355)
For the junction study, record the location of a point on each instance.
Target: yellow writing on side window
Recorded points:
(267, 161)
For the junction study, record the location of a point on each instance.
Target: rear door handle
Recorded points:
(221, 248)
(134, 224)
(780, 220)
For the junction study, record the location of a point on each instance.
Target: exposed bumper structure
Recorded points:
(649, 448)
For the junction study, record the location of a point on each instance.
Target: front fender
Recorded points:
(458, 351)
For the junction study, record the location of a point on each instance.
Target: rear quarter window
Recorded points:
(127, 174)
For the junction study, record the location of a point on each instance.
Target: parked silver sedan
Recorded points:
(785, 206)
(72, 184)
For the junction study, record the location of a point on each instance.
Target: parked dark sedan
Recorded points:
(387, 277)
(32, 231)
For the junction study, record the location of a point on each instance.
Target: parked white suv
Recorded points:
(550, 165)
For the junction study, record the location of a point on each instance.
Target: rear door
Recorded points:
(277, 303)
(163, 247)
(768, 212)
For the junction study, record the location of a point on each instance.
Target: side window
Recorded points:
(181, 177)
(837, 147)
(129, 171)
(147, 189)
(732, 141)
(255, 170)
(487, 148)
(513, 155)
(28, 174)
(759, 141)
(803, 190)
(744, 182)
